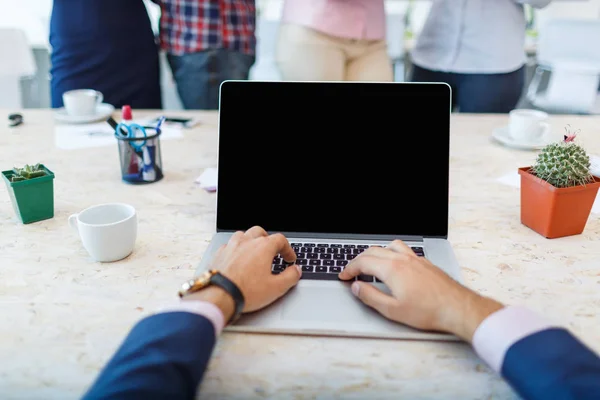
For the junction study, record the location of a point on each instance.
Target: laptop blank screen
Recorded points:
(348, 158)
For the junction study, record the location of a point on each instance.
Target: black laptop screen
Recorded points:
(348, 158)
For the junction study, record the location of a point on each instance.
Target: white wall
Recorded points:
(589, 9)
(33, 16)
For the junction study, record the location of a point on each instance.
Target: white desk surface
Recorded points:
(63, 315)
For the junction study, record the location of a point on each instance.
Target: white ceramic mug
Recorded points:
(82, 102)
(528, 125)
(107, 231)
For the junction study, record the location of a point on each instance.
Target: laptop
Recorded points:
(336, 167)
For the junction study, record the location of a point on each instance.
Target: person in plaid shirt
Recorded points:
(207, 42)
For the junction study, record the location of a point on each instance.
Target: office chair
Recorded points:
(568, 57)
(18, 64)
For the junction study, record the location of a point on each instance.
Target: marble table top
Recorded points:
(63, 315)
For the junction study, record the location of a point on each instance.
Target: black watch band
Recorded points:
(224, 283)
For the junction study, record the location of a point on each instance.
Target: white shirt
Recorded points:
(474, 36)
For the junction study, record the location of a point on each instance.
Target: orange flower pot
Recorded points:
(555, 212)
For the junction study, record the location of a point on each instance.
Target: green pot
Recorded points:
(32, 199)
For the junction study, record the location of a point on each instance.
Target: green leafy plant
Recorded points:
(564, 164)
(530, 17)
(27, 172)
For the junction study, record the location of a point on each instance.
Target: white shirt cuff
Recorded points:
(203, 308)
(498, 332)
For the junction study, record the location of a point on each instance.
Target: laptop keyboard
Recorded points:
(324, 261)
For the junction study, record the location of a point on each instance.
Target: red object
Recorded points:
(570, 136)
(126, 113)
(555, 212)
(191, 26)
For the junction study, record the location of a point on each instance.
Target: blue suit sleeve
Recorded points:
(552, 364)
(163, 357)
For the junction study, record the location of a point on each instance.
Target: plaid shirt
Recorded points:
(189, 26)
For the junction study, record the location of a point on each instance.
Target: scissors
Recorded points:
(133, 131)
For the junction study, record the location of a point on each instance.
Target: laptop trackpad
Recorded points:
(328, 304)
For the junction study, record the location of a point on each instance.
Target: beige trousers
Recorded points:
(304, 54)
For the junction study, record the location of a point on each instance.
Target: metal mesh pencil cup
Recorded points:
(140, 157)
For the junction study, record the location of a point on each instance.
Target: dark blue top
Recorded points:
(106, 45)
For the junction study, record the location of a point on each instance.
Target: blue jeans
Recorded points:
(199, 75)
(478, 93)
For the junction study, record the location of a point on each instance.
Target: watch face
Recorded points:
(196, 284)
(204, 279)
(186, 286)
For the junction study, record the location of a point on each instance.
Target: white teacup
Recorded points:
(108, 231)
(82, 102)
(528, 125)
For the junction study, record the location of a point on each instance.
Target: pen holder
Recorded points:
(140, 157)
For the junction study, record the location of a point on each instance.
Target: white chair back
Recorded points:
(571, 89)
(17, 55)
(569, 49)
(17, 62)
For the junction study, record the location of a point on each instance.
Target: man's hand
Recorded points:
(246, 260)
(423, 296)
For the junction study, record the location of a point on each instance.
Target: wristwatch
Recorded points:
(214, 277)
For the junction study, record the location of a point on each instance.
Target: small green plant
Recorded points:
(530, 17)
(564, 164)
(27, 172)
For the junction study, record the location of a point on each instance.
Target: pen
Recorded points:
(148, 151)
(111, 121)
(148, 172)
(136, 162)
(160, 122)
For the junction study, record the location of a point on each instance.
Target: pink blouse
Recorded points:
(351, 19)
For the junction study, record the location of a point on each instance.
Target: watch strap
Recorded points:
(226, 284)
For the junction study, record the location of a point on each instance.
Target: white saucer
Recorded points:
(501, 135)
(102, 113)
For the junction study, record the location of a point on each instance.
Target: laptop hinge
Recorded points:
(347, 236)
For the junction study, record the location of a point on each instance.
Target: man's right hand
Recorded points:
(423, 296)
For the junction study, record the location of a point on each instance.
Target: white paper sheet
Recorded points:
(511, 179)
(514, 179)
(71, 137)
(208, 180)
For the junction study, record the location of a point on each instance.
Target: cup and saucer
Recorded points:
(526, 130)
(83, 106)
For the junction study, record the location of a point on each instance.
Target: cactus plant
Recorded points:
(558, 191)
(27, 172)
(564, 164)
